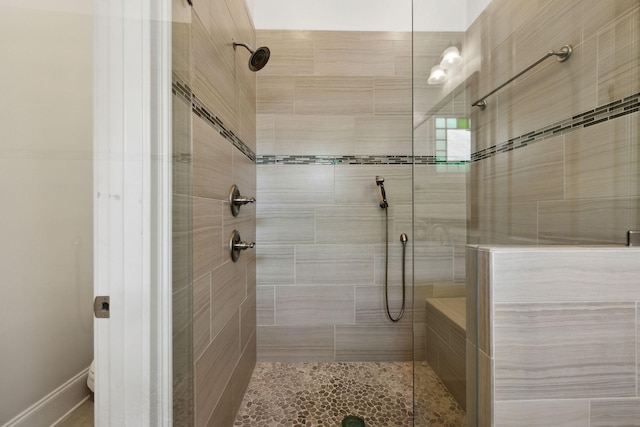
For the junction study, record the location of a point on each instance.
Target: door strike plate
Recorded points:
(101, 307)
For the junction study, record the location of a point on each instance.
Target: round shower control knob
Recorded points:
(236, 245)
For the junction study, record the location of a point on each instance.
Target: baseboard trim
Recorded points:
(53, 407)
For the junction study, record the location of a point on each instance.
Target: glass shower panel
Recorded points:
(183, 375)
(441, 154)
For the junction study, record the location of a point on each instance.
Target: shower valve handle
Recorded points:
(242, 200)
(236, 200)
(236, 245)
(244, 245)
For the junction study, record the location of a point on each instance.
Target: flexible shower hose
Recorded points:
(386, 270)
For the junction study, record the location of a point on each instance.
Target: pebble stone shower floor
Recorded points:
(322, 394)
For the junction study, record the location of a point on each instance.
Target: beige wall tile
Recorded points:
(618, 59)
(392, 95)
(213, 80)
(598, 162)
(486, 390)
(563, 351)
(485, 303)
(453, 375)
(207, 236)
(265, 305)
(590, 221)
(314, 305)
(275, 94)
(527, 413)
(471, 287)
(433, 263)
(615, 412)
(334, 264)
(295, 343)
(373, 343)
(508, 223)
(334, 95)
(570, 274)
(472, 381)
(214, 368)
(228, 290)
(182, 251)
(295, 184)
(212, 162)
(275, 264)
(527, 174)
(247, 319)
(370, 306)
(356, 184)
(394, 272)
(313, 135)
(354, 58)
(288, 55)
(181, 146)
(383, 135)
(231, 399)
(439, 185)
(243, 175)
(201, 315)
(282, 224)
(353, 224)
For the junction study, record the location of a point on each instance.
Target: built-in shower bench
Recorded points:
(446, 343)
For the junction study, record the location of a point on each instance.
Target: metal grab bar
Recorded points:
(563, 54)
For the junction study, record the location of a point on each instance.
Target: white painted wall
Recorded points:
(46, 246)
(366, 15)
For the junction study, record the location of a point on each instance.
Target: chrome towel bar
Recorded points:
(563, 54)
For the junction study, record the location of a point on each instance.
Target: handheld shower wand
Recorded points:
(380, 183)
(403, 239)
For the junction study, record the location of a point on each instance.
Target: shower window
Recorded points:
(453, 139)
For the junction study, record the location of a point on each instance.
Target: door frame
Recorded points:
(132, 212)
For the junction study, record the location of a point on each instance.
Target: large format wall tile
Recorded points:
(275, 264)
(285, 224)
(571, 356)
(566, 274)
(214, 368)
(295, 184)
(373, 343)
(295, 343)
(334, 95)
(541, 413)
(207, 235)
(212, 162)
(334, 264)
(615, 412)
(352, 224)
(314, 305)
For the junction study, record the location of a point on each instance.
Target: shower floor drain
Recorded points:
(352, 421)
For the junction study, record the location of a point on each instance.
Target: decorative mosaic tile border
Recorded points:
(184, 92)
(610, 111)
(350, 160)
(613, 110)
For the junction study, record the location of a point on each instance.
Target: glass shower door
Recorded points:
(441, 147)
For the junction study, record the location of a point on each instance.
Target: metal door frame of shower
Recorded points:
(132, 211)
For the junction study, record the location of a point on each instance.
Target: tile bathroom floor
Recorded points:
(322, 394)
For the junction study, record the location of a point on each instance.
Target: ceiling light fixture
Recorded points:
(437, 75)
(450, 58)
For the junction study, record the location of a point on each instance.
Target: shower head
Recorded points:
(380, 183)
(259, 57)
